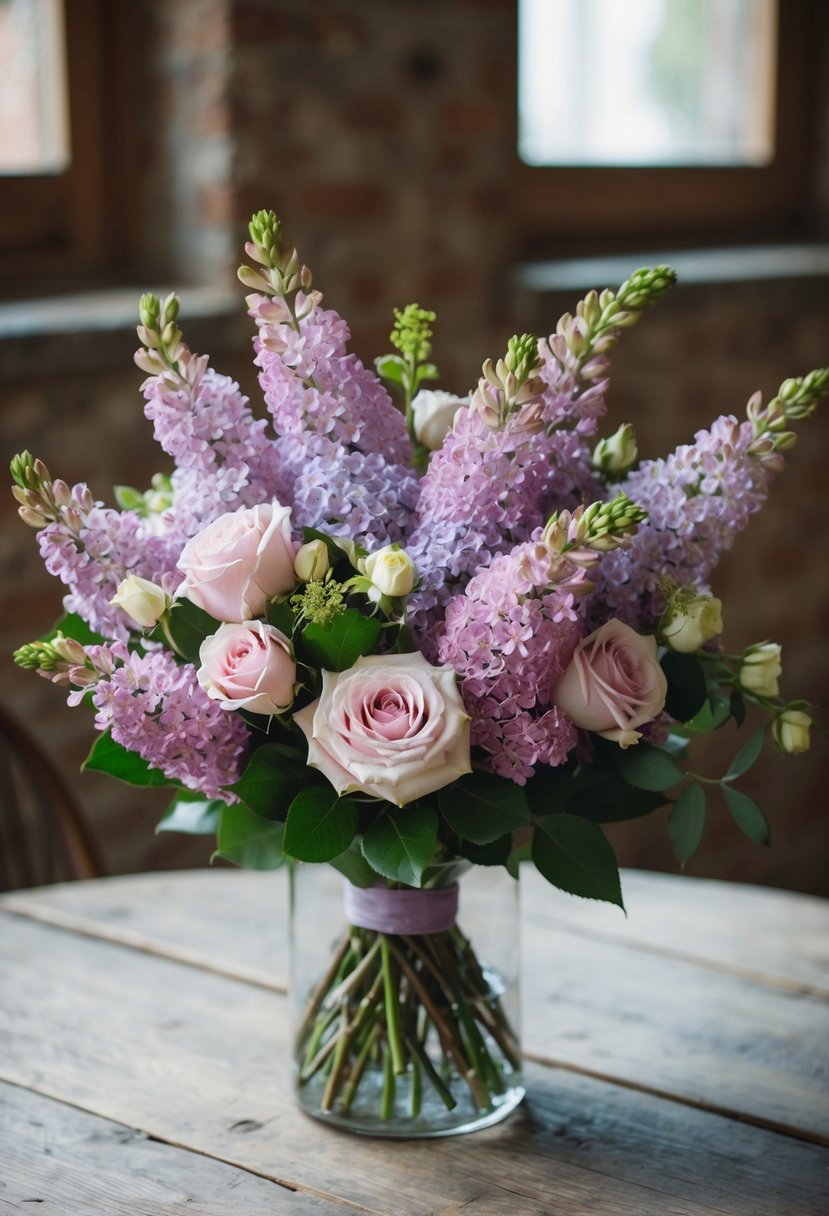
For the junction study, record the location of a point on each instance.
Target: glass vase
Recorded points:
(406, 1003)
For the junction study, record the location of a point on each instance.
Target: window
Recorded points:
(662, 119)
(62, 96)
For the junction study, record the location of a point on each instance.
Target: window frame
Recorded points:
(604, 209)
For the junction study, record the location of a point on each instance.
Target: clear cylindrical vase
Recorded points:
(406, 1002)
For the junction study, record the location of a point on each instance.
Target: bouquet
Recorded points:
(405, 633)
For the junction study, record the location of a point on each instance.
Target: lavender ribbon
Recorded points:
(401, 911)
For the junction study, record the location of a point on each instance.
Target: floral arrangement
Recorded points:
(403, 632)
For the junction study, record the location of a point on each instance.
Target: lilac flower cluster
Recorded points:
(697, 500)
(156, 707)
(509, 637)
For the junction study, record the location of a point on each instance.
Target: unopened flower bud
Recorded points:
(790, 731)
(689, 623)
(143, 601)
(311, 562)
(760, 670)
(391, 570)
(618, 452)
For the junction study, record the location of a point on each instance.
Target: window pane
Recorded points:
(34, 126)
(647, 82)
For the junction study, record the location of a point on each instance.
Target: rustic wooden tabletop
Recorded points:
(678, 1060)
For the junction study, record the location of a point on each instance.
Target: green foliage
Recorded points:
(608, 799)
(248, 840)
(573, 854)
(353, 866)
(320, 825)
(192, 813)
(400, 844)
(337, 646)
(481, 807)
(747, 815)
(687, 821)
(110, 757)
(188, 627)
(648, 768)
(746, 756)
(271, 779)
(687, 686)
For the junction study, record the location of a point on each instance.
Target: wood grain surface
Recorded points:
(144, 1042)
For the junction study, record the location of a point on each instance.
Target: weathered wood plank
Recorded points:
(199, 1060)
(60, 1161)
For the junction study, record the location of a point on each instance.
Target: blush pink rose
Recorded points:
(240, 561)
(613, 684)
(391, 726)
(248, 666)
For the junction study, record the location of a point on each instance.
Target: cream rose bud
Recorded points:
(613, 684)
(392, 726)
(618, 452)
(311, 561)
(239, 562)
(760, 670)
(687, 627)
(143, 601)
(790, 731)
(434, 412)
(248, 666)
(391, 570)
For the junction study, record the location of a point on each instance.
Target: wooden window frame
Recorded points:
(60, 229)
(576, 209)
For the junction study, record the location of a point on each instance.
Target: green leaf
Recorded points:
(611, 800)
(248, 840)
(320, 824)
(191, 813)
(281, 615)
(353, 866)
(425, 371)
(389, 367)
(710, 717)
(337, 646)
(746, 756)
(648, 768)
(573, 854)
(687, 688)
(189, 626)
(496, 853)
(110, 757)
(400, 844)
(737, 707)
(481, 807)
(73, 626)
(523, 853)
(747, 815)
(687, 821)
(271, 781)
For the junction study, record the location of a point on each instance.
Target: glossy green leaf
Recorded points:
(281, 615)
(73, 626)
(337, 646)
(687, 688)
(481, 807)
(687, 821)
(400, 844)
(271, 780)
(648, 768)
(110, 757)
(320, 825)
(610, 800)
(189, 626)
(192, 813)
(389, 367)
(573, 854)
(747, 755)
(710, 717)
(353, 866)
(496, 853)
(248, 840)
(747, 815)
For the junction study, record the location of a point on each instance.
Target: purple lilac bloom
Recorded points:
(157, 708)
(311, 384)
(697, 500)
(509, 637)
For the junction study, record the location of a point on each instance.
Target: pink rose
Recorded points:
(240, 561)
(391, 726)
(248, 666)
(613, 684)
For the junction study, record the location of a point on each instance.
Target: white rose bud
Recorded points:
(791, 731)
(143, 601)
(618, 452)
(689, 625)
(391, 570)
(760, 670)
(311, 562)
(434, 412)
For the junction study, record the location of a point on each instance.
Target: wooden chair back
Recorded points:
(43, 836)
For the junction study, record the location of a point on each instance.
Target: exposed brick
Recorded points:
(344, 200)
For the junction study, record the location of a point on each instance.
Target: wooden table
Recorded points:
(678, 1060)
